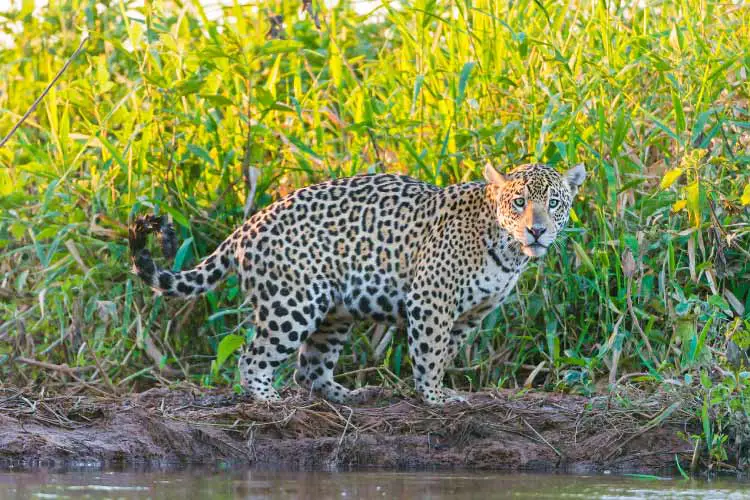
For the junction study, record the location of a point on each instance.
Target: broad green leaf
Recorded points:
(176, 215)
(701, 340)
(553, 340)
(679, 205)
(670, 177)
(6, 183)
(264, 97)
(745, 199)
(719, 302)
(668, 131)
(335, 63)
(112, 150)
(281, 46)
(741, 337)
(273, 76)
(201, 153)
(304, 147)
(675, 39)
(227, 347)
(227, 312)
(693, 198)
(679, 113)
(462, 81)
(583, 256)
(418, 82)
(397, 357)
(649, 477)
(217, 99)
(182, 254)
(574, 216)
(27, 8)
(706, 419)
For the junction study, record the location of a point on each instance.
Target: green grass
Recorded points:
(651, 283)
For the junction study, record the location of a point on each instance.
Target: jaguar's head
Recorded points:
(533, 202)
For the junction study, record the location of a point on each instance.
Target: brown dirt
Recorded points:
(493, 430)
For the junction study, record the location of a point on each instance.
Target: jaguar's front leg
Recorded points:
(460, 333)
(429, 329)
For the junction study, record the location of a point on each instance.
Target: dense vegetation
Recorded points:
(170, 111)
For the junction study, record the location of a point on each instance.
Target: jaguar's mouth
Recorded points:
(534, 249)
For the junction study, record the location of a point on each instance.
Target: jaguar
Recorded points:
(384, 247)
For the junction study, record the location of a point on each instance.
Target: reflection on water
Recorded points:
(200, 483)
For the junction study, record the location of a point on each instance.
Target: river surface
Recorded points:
(213, 484)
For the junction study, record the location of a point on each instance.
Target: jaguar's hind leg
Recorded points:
(317, 360)
(280, 330)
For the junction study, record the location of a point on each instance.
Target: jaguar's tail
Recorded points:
(202, 278)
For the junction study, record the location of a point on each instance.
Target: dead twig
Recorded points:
(628, 267)
(57, 368)
(307, 6)
(378, 155)
(541, 437)
(103, 373)
(656, 421)
(250, 173)
(157, 356)
(346, 427)
(44, 92)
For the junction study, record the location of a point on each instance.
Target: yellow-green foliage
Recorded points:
(161, 108)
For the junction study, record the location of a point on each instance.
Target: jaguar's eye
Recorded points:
(519, 202)
(553, 203)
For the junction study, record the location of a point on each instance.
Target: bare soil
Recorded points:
(492, 430)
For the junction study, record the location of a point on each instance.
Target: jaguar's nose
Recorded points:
(536, 231)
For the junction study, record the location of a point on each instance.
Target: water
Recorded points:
(201, 483)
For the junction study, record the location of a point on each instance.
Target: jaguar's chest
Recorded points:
(493, 282)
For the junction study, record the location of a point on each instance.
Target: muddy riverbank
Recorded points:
(492, 430)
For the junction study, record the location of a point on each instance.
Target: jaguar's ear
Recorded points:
(575, 177)
(493, 176)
